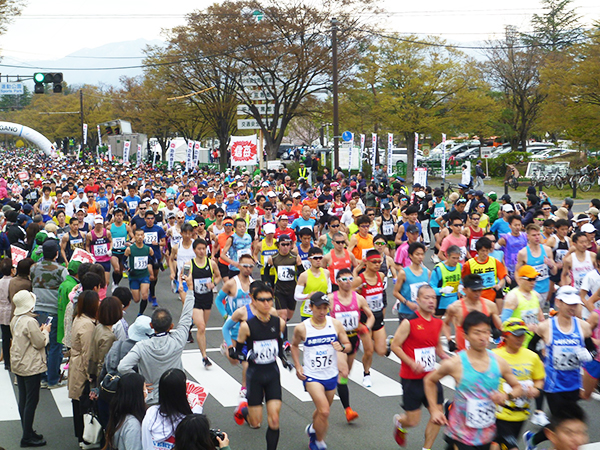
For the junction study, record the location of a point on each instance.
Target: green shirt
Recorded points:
(493, 211)
(64, 290)
(138, 261)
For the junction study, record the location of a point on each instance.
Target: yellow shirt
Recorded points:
(484, 221)
(527, 367)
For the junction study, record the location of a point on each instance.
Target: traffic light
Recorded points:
(42, 79)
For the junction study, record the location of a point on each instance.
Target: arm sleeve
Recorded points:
(299, 295)
(220, 302)
(227, 327)
(506, 313)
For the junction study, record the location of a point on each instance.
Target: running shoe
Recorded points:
(540, 419)
(367, 381)
(206, 362)
(125, 275)
(174, 287)
(190, 338)
(287, 347)
(43, 384)
(154, 302)
(399, 432)
(223, 349)
(312, 435)
(351, 414)
(243, 392)
(527, 437)
(237, 414)
(435, 259)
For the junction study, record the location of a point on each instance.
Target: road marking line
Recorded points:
(383, 386)
(10, 407)
(62, 400)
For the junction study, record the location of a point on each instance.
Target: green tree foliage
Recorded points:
(557, 28)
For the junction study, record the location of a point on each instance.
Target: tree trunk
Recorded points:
(410, 157)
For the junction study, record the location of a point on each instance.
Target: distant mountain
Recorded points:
(116, 54)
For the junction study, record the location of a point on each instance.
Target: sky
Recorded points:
(52, 30)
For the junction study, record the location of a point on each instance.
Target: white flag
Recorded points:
(390, 170)
(84, 133)
(172, 155)
(109, 153)
(416, 148)
(188, 160)
(99, 136)
(139, 155)
(373, 150)
(443, 155)
(362, 152)
(196, 153)
(126, 147)
(350, 153)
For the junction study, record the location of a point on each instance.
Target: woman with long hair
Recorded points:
(127, 410)
(193, 433)
(160, 422)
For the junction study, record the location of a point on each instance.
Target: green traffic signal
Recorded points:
(39, 77)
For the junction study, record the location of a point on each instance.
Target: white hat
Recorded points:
(420, 194)
(508, 208)
(98, 219)
(265, 184)
(271, 194)
(269, 228)
(140, 330)
(240, 184)
(211, 189)
(203, 207)
(588, 228)
(568, 295)
(154, 201)
(296, 194)
(24, 302)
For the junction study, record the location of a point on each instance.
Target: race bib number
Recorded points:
(473, 244)
(322, 362)
(133, 205)
(480, 413)
(118, 243)
(438, 212)
(463, 253)
(76, 243)
(266, 351)
(349, 319)
(243, 251)
(101, 250)
(306, 264)
(286, 273)
(489, 279)
(140, 262)
(306, 311)
(375, 302)
(201, 285)
(542, 269)
(560, 254)
(530, 317)
(151, 238)
(387, 229)
(426, 357)
(252, 223)
(414, 290)
(364, 252)
(565, 358)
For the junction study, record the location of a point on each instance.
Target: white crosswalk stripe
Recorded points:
(10, 407)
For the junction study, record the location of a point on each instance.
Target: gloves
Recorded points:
(584, 355)
(285, 363)
(233, 354)
(447, 290)
(251, 355)
(452, 346)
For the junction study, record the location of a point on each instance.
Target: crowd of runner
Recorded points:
(93, 240)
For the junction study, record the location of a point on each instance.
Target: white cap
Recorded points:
(98, 219)
(203, 207)
(211, 189)
(568, 295)
(154, 201)
(508, 208)
(269, 228)
(271, 194)
(265, 184)
(240, 184)
(296, 194)
(588, 228)
(420, 194)
(231, 194)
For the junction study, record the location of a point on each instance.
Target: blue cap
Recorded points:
(80, 191)
(189, 203)
(22, 217)
(401, 179)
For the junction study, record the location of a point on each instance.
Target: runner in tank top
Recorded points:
(456, 312)
(387, 225)
(205, 275)
(181, 254)
(74, 239)
(326, 239)
(266, 248)
(540, 258)
(323, 337)
(314, 279)
(361, 242)
(339, 258)
(369, 284)
(217, 226)
(511, 243)
(236, 291)
(303, 246)
(98, 243)
(347, 307)
(577, 264)
(471, 423)
(591, 369)
(410, 279)
(119, 232)
(473, 233)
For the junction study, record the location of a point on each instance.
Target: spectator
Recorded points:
(127, 410)
(193, 433)
(46, 277)
(568, 204)
(160, 422)
(479, 175)
(81, 343)
(163, 351)
(21, 281)
(64, 290)
(5, 309)
(28, 362)
(121, 328)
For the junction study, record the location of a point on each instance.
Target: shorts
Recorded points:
(252, 233)
(543, 296)
(232, 272)
(592, 368)
(325, 218)
(334, 287)
(134, 283)
(354, 343)
(402, 316)
(560, 401)
(456, 445)
(262, 381)
(105, 265)
(204, 301)
(508, 433)
(120, 257)
(440, 312)
(413, 394)
(379, 324)
(329, 385)
(223, 269)
(285, 302)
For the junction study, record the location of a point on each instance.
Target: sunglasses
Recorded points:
(285, 245)
(247, 266)
(264, 299)
(318, 258)
(456, 225)
(364, 226)
(345, 279)
(339, 242)
(381, 244)
(371, 214)
(528, 279)
(375, 261)
(268, 209)
(334, 226)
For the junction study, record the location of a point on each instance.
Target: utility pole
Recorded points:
(334, 72)
(81, 125)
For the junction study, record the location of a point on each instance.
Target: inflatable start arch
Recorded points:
(29, 134)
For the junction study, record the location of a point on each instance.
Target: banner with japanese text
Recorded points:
(139, 155)
(171, 155)
(126, 147)
(188, 159)
(196, 153)
(84, 133)
(373, 150)
(244, 150)
(362, 151)
(99, 136)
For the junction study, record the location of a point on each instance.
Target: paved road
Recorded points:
(376, 405)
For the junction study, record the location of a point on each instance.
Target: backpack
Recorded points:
(110, 381)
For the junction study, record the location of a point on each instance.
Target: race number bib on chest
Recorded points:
(101, 250)
(565, 358)
(480, 413)
(201, 285)
(321, 360)
(151, 238)
(140, 262)
(243, 251)
(349, 319)
(473, 244)
(266, 351)
(387, 228)
(286, 273)
(118, 243)
(306, 264)
(375, 302)
(414, 290)
(426, 357)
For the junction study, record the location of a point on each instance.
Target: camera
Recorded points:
(214, 434)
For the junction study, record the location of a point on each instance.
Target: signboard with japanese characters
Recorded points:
(244, 150)
(188, 159)
(252, 124)
(171, 155)
(126, 147)
(139, 155)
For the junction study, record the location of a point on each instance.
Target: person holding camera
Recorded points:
(194, 433)
(28, 362)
